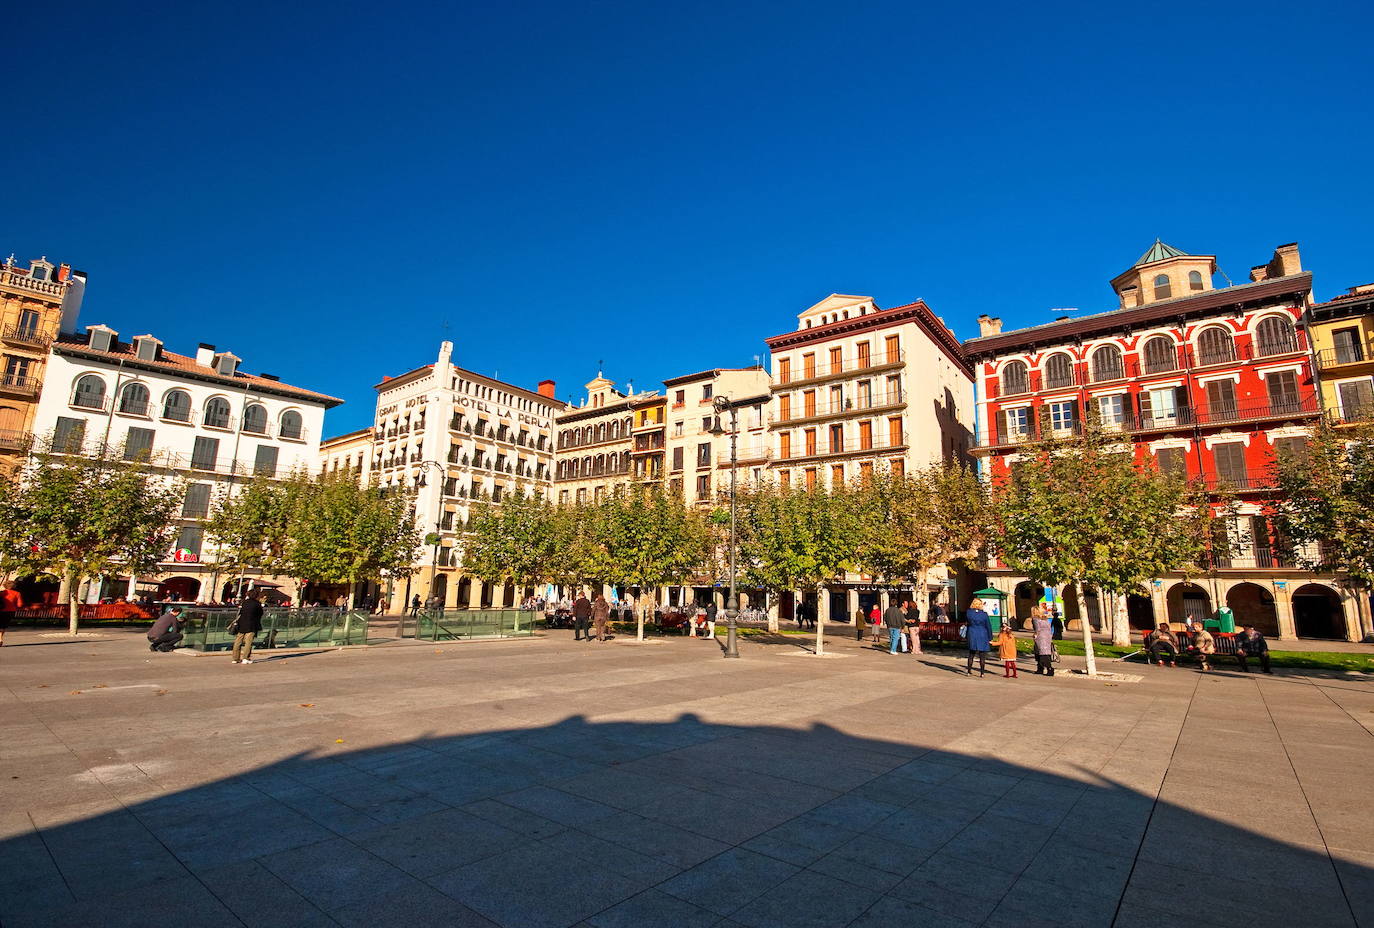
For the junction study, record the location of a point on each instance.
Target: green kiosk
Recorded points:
(995, 605)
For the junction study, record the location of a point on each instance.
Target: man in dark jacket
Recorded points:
(1251, 643)
(601, 614)
(166, 631)
(895, 620)
(246, 628)
(582, 618)
(912, 619)
(711, 612)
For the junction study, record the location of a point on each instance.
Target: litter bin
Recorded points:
(1226, 620)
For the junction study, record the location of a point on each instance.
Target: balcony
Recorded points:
(751, 454)
(25, 282)
(26, 336)
(1329, 358)
(822, 449)
(1351, 414)
(846, 367)
(1159, 420)
(14, 385)
(15, 440)
(848, 407)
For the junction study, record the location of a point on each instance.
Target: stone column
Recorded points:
(1283, 606)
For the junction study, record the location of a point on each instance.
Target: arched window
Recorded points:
(1160, 355)
(134, 399)
(1162, 290)
(1275, 336)
(1215, 346)
(1107, 364)
(291, 424)
(255, 419)
(90, 392)
(217, 413)
(177, 406)
(1058, 371)
(1015, 378)
(1195, 280)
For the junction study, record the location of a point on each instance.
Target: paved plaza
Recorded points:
(543, 783)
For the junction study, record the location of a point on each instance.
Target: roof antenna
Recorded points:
(599, 365)
(1224, 277)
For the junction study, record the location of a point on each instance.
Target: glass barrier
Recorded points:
(208, 629)
(453, 624)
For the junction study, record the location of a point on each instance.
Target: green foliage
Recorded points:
(86, 517)
(251, 524)
(1326, 497)
(908, 524)
(794, 539)
(514, 540)
(341, 532)
(1084, 512)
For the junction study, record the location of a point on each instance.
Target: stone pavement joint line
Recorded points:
(553, 784)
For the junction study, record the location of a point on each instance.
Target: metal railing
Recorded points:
(1346, 354)
(25, 386)
(458, 624)
(15, 440)
(849, 405)
(822, 369)
(23, 335)
(207, 629)
(823, 448)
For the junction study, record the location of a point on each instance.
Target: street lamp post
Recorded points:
(438, 518)
(723, 404)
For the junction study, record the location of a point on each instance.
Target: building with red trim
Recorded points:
(1208, 382)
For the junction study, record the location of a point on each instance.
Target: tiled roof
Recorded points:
(79, 346)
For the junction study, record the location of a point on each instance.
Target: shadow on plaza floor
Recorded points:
(681, 823)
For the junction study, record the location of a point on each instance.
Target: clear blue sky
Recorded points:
(319, 188)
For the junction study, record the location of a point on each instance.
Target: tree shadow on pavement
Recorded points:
(679, 823)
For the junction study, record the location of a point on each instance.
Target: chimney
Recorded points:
(1285, 261)
(546, 388)
(205, 354)
(1360, 289)
(64, 271)
(272, 377)
(1259, 272)
(1130, 296)
(989, 325)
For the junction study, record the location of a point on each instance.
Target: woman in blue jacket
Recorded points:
(979, 632)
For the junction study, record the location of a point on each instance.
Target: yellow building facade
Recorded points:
(1342, 333)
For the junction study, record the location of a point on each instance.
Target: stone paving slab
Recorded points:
(547, 783)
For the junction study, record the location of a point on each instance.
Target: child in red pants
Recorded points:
(1006, 648)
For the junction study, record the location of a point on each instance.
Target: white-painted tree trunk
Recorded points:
(1086, 627)
(73, 602)
(1121, 621)
(820, 630)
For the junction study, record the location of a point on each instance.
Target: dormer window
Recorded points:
(147, 348)
(101, 338)
(226, 364)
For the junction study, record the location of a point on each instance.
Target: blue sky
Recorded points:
(329, 190)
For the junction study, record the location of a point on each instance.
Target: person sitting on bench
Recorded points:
(1252, 644)
(1162, 641)
(166, 631)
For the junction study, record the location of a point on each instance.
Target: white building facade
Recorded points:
(198, 416)
(457, 437)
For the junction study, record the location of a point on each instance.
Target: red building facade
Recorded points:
(1210, 383)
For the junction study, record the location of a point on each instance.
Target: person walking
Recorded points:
(978, 637)
(582, 618)
(1006, 650)
(895, 620)
(166, 633)
(246, 628)
(1162, 642)
(1206, 646)
(601, 614)
(415, 605)
(711, 612)
(10, 603)
(1043, 635)
(1251, 643)
(912, 620)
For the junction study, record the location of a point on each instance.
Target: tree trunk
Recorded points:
(1121, 621)
(1086, 627)
(820, 629)
(771, 609)
(639, 616)
(73, 595)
